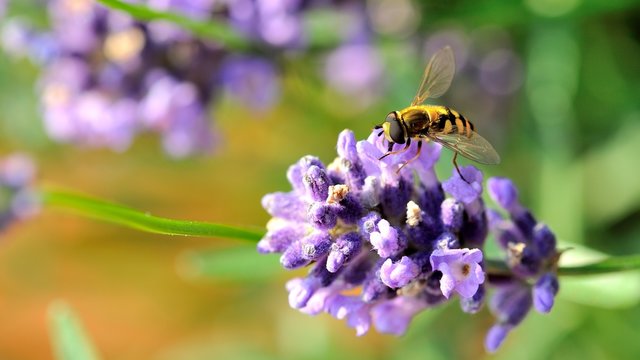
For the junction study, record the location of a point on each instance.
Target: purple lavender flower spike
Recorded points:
(402, 243)
(388, 240)
(398, 274)
(393, 316)
(461, 270)
(544, 292)
(496, 336)
(345, 248)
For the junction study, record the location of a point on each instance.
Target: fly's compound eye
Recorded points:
(396, 130)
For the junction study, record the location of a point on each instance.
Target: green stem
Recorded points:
(612, 264)
(122, 215)
(118, 214)
(211, 29)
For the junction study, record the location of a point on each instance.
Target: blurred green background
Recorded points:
(568, 130)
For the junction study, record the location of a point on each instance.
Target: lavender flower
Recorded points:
(108, 78)
(461, 270)
(385, 245)
(17, 198)
(531, 256)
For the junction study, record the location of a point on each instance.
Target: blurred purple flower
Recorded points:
(18, 199)
(253, 81)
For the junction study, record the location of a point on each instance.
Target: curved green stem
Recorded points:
(211, 29)
(122, 215)
(612, 264)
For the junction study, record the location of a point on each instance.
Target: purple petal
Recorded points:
(300, 291)
(280, 236)
(296, 172)
(285, 205)
(511, 303)
(473, 304)
(452, 214)
(323, 216)
(399, 274)
(388, 241)
(544, 240)
(496, 336)
(503, 192)
(294, 256)
(316, 182)
(315, 245)
(544, 292)
(463, 191)
(347, 146)
(345, 248)
(393, 316)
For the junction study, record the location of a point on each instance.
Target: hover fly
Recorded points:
(434, 122)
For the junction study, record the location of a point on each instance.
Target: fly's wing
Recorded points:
(475, 147)
(437, 76)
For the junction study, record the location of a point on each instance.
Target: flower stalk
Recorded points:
(102, 210)
(122, 215)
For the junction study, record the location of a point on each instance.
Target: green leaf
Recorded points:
(118, 214)
(612, 290)
(242, 263)
(211, 29)
(69, 339)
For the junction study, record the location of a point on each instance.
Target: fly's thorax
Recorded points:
(416, 119)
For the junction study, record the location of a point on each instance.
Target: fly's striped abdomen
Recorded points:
(449, 121)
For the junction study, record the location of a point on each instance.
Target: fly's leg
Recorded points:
(389, 152)
(455, 163)
(413, 158)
